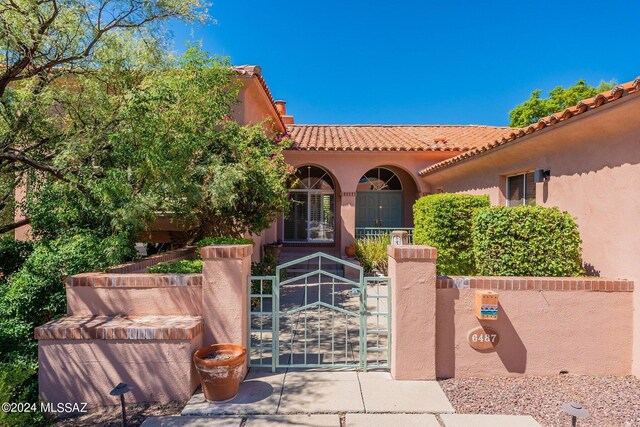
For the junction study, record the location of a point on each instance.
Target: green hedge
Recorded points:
(444, 221)
(526, 241)
(183, 266)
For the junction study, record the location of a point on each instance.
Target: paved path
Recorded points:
(316, 398)
(350, 420)
(317, 392)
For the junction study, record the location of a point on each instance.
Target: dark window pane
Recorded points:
(313, 177)
(515, 186)
(379, 179)
(530, 189)
(295, 223)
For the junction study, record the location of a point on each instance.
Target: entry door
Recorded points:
(379, 209)
(389, 209)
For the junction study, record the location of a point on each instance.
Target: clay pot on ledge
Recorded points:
(350, 251)
(221, 370)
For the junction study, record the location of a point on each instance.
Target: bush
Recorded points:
(184, 266)
(35, 295)
(444, 221)
(526, 241)
(208, 241)
(13, 253)
(372, 253)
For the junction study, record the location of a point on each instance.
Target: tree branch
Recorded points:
(11, 227)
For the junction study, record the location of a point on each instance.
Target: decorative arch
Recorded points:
(379, 179)
(311, 216)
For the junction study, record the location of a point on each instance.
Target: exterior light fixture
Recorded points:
(576, 410)
(541, 175)
(120, 390)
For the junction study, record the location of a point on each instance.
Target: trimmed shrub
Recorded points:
(444, 221)
(372, 253)
(526, 241)
(208, 241)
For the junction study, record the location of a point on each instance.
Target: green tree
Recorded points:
(105, 129)
(533, 109)
(45, 44)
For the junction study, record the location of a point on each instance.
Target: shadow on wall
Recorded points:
(591, 270)
(511, 350)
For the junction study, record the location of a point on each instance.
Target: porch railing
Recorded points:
(362, 232)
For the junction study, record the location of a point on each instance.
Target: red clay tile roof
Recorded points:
(392, 137)
(517, 133)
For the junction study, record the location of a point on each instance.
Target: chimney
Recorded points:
(281, 107)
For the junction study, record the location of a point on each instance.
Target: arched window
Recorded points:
(311, 217)
(379, 179)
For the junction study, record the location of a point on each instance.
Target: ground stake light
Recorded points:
(576, 410)
(120, 390)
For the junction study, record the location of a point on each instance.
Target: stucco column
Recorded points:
(347, 219)
(412, 270)
(224, 293)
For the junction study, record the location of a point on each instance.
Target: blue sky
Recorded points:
(448, 62)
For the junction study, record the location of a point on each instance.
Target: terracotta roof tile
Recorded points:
(392, 137)
(583, 106)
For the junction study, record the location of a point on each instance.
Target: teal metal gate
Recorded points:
(319, 311)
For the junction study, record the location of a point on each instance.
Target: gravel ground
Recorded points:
(111, 416)
(611, 401)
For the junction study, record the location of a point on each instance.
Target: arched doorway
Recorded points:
(379, 199)
(311, 217)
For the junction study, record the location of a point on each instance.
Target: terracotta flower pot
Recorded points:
(350, 251)
(221, 368)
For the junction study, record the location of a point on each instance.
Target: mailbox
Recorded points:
(399, 237)
(487, 305)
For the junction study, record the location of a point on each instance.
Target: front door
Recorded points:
(379, 209)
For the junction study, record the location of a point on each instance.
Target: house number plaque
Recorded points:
(484, 339)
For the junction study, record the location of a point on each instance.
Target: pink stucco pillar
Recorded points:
(413, 312)
(347, 219)
(224, 293)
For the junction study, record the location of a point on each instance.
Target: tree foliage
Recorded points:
(105, 129)
(535, 108)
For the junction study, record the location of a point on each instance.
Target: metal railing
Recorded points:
(363, 232)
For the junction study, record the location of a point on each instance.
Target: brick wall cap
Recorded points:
(531, 283)
(412, 252)
(226, 251)
(133, 280)
(121, 328)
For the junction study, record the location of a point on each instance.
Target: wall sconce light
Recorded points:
(541, 175)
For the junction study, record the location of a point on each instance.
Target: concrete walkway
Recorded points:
(315, 392)
(337, 399)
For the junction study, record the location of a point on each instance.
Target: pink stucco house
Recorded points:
(357, 180)
(360, 179)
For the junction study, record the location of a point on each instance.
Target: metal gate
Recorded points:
(319, 311)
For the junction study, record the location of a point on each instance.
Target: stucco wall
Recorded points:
(594, 161)
(541, 333)
(254, 106)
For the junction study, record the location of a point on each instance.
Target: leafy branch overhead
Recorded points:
(44, 44)
(535, 108)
